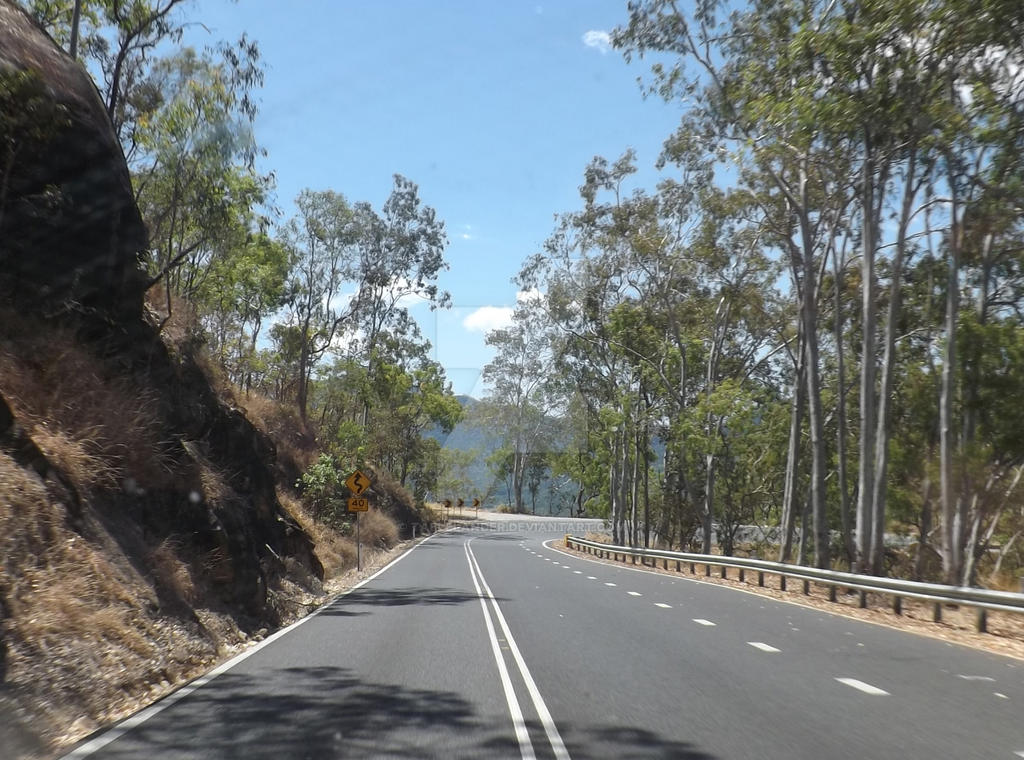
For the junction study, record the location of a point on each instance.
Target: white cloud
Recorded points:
(488, 318)
(596, 38)
(529, 296)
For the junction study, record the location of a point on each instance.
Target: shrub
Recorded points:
(377, 529)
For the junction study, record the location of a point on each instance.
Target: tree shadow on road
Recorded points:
(321, 712)
(626, 743)
(367, 597)
(327, 712)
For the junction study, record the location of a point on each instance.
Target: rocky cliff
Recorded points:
(140, 528)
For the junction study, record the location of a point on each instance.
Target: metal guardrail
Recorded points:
(982, 600)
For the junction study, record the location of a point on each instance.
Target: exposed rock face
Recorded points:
(69, 226)
(70, 231)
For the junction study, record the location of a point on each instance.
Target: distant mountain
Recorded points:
(470, 436)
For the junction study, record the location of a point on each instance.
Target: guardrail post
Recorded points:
(760, 578)
(862, 602)
(679, 566)
(666, 565)
(693, 568)
(831, 593)
(937, 612)
(782, 582)
(981, 621)
(807, 588)
(707, 571)
(743, 576)
(724, 571)
(634, 558)
(897, 605)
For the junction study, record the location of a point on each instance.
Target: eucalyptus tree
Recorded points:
(244, 287)
(400, 253)
(194, 175)
(322, 240)
(750, 84)
(520, 399)
(120, 41)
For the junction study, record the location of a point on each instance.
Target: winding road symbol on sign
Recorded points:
(357, 483)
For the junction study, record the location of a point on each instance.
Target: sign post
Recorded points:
(357, 483)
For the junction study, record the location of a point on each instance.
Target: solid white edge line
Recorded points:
(554, 738)
(134, 721)
(514, 708)
(864, 687)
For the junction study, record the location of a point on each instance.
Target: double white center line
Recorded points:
(522, 733)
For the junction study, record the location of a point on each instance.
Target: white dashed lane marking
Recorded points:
(609, 584)
(591, 577)
(702, 621)
(762, 646)
(577, 572)
(663, 605)
(634, 593)
(864, 687)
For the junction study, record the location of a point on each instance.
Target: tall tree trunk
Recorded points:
(841, 434)
(708, 512)
(882, 435)
(796, 419)
(926, 522)
(805, 513)
(866, 473)
(647, 482)
(613, 491)
(635, 492)
(952, 545)
(813, 374)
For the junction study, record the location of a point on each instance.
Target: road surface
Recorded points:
(491, 643)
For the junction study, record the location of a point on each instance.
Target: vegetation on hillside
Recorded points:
(308, 312)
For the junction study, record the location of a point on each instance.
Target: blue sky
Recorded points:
(493, 107)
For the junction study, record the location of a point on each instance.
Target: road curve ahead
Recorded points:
(492, 643)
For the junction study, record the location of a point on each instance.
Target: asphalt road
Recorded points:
(491, 644)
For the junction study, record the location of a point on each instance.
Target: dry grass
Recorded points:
(377, 530)
(295, 442)
(336, 552)
(102, 427)
(99, 616)
(170, 571)
(78, 459)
